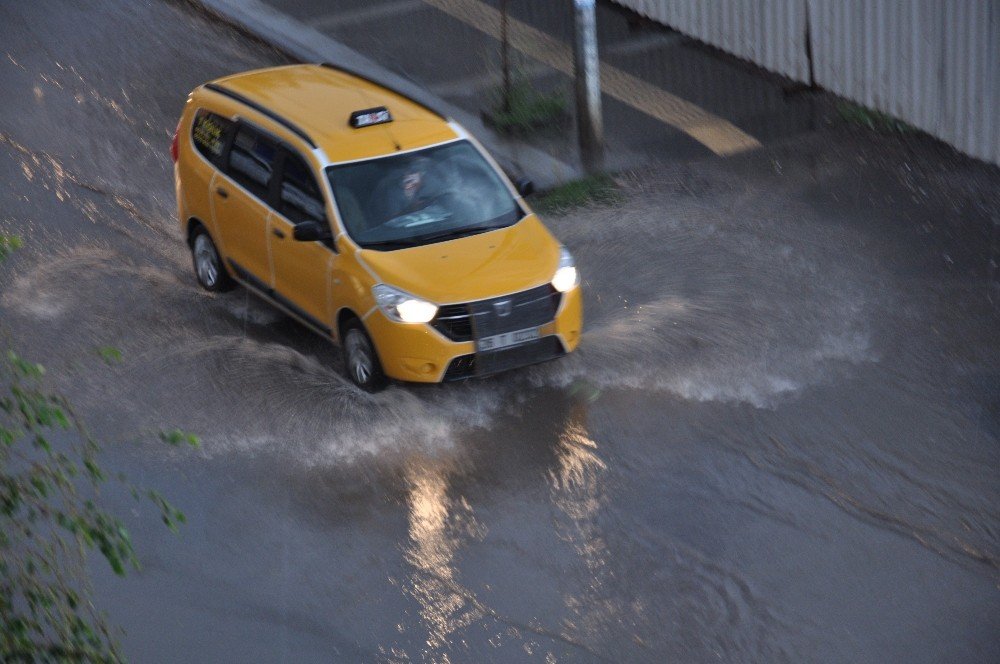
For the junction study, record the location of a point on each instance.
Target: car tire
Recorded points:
(208, 267)
(360, 359)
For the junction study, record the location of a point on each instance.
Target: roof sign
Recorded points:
(370, 116)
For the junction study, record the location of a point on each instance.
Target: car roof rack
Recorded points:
(291, 126)
(330, 65)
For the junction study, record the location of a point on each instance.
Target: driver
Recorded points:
(403, 191)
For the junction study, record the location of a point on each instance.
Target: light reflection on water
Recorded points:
(438, 525)
(577, 486)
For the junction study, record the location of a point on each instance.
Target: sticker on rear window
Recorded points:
(209, 134)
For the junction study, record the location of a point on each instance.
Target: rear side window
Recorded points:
(251, 161)
(300, 197)
(209, 132)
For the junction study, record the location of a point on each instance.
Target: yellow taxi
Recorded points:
(372, 220)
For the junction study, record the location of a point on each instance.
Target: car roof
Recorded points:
(319, 100)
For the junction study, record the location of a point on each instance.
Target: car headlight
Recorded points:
(402, 307)
(567, 276)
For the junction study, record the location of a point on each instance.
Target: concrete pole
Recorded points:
(590, 126)
(505, 57)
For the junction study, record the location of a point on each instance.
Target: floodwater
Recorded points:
(778, 442)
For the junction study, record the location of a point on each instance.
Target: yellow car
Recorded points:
(372, 220)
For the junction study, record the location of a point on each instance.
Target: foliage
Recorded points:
(523, 110)
(50, 520)
(110, 354)
(8, 243)
(600, 189)
(867, 117)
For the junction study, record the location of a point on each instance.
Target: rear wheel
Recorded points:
(360, 360)
(207, 264)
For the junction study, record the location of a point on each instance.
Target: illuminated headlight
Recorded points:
(567, 276)
(402, 307)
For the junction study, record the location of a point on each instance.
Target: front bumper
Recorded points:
(420, 353)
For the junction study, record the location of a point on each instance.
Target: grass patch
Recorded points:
(874, 120)
(593, 189)
(527, 110)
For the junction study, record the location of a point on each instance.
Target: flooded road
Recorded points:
(780, 440)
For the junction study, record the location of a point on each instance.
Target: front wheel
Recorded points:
(361, 361)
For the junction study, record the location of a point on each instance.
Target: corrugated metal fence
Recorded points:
(932, 63)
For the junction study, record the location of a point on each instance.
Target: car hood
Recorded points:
(471, 268)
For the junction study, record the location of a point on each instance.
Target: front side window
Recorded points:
(209, 133)
(431, 195)
(300, 197)
(251, 161)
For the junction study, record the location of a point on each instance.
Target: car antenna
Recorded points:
(393, 139)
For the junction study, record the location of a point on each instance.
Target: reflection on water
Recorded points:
(575, 482)
(438, 526)
(577, 489)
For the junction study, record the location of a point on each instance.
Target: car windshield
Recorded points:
(431, 195)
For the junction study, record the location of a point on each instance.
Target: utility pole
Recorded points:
(505, 57)
(588, 86)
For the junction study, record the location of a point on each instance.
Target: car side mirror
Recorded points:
(310, 231)
(525, 187)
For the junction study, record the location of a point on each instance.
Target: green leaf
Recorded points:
(94, 470)
(8, 245)
(110, 354)
(41, 486)
(23, 367)
(177, 437)
(42, 443)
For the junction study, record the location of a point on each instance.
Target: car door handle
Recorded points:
(222, 192)
(278, 233)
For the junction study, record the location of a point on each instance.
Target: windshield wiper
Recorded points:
(390, 244)
(456, 233)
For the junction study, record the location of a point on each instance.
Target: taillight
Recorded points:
(173, 143)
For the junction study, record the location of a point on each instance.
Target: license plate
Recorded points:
(507, 339)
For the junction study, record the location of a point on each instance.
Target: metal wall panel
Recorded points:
(932, 63)
(768, 32)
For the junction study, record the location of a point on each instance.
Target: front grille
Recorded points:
(484, 364)
(454, 322)
(530, 308)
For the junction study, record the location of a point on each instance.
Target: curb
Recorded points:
(306, 44)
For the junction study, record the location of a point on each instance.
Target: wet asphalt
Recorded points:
(778, 442)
